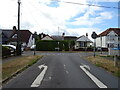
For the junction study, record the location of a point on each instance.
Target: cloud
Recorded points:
(42, 16)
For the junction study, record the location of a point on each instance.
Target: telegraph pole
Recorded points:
(18, 31)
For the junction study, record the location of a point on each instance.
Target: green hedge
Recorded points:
(49, 45)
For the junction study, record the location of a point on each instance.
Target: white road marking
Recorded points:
(95, 80)
(67, 72)
(40, 77)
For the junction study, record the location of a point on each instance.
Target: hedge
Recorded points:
(50, 45)
(5, 52)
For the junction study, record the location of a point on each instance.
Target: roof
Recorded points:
(58, 37)
(47, 38)
(7, 32)
(24, 36)
(116, 30)
(70, 37)
(83, 39)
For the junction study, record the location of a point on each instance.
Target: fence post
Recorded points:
(115, 60)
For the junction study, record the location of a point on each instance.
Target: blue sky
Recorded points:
(47, 15)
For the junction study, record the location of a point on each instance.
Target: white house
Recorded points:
(110, 39)
(83, 41)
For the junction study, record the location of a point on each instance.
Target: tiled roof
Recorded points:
(70, 37)
(24, 36)
(58, 37)
(83, 39)
(116, 30)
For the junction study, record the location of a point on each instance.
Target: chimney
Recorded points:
(86, 34)
(14, 29)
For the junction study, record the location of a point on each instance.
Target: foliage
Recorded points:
(5, 51)
(50, 45)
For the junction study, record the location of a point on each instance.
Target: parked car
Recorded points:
(12, 47)
(32, 47)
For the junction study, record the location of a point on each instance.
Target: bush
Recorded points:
(49, 45)
(5, 51)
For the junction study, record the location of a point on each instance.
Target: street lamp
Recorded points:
(94, 36)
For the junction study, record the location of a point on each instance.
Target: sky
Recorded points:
(54, 17)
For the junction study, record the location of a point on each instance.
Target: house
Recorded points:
(42, 35)
(109, 38)
(82, 42)
(9, 36)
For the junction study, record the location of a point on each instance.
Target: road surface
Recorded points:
(63, 70)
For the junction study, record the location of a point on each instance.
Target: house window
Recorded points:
(15, 36)
(110, 45)
(119, 38)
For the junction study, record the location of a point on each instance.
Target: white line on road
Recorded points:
(67, 72)
(95, 80)
(40, 77)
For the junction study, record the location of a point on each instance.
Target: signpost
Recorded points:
(35, 36)
(94, 36)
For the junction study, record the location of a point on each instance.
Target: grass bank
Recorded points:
(16, 66)
(106, 64)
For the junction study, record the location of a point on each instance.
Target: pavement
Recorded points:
(63, 70)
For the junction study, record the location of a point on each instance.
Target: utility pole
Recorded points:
(18, 31)
(58, 30)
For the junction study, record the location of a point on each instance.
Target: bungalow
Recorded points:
(10, 37)
(82, 42)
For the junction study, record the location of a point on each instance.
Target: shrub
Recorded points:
(49, 45)
(5, 51)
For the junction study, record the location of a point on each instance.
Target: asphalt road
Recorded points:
(63, 70)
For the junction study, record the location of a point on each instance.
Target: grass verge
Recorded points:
(106, 64)
(16, 66)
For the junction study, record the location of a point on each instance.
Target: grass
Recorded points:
(16, 66)
(106, 64)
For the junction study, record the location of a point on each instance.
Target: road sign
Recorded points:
(94, 35)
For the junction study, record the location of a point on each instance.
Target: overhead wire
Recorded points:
(87, 4)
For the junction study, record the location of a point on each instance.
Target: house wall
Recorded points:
(112, 39)
(31, 41)
(77, 45)
(101, 42)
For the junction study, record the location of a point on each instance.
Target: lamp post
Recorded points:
(94, 36)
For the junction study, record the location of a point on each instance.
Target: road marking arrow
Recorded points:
(40, 77)
(95, 80)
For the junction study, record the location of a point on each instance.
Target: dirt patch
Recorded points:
(14, 66)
